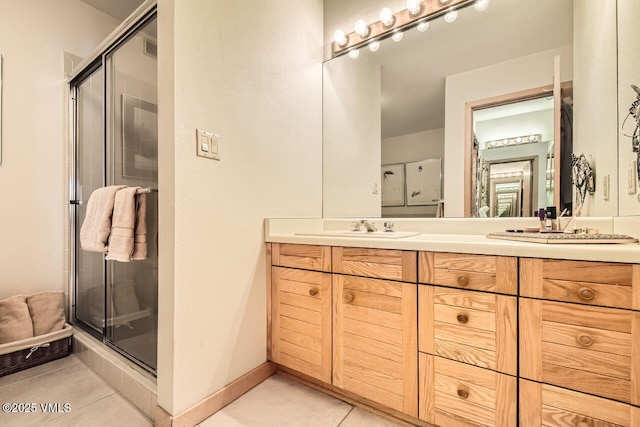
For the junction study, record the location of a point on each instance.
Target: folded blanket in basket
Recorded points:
(47, 311)
(15, 321)
(95, 230)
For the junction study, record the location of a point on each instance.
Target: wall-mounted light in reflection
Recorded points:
(423, 26)
(451, 16)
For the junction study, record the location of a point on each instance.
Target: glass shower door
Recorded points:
(90, 161)
(132, 135)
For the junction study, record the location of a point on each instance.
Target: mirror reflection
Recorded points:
(406, 103)
(514, 151)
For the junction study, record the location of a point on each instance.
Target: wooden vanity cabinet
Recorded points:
(375, 341)
(377, 263)
(488, 273)
(307, 257)
(301, 321)
(477, 328)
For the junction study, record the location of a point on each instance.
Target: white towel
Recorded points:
(95, 230)
(122, 241)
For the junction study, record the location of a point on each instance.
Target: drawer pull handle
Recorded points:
(313, 292)
(347, 298)
(586, 294)
(462, 318)
(585, 340)
(462, 393)
(463, 280)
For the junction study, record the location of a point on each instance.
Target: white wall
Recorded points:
(34, 34)
(595, 129)
(351, 145)
(515, 75)
(628, 74)
(411, 148)
(251, 72)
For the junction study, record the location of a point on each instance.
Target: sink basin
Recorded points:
(363, 234)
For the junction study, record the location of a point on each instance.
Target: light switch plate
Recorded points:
(207, 145)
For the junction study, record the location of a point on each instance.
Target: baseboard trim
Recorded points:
(218, 400)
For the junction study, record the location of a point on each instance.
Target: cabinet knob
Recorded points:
(585, 340)
(463, 280)
(586, 294)
(347, 298)
(462, 393)
(462, 318)
(313, 292)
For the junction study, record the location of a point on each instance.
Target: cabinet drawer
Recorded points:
(586, 282)
(454, 393)
(379, 263)
(375, 341)
(308, 257)
(301, 321)
(472, 327)
(594, 350)
(542, 404)
(477, 272)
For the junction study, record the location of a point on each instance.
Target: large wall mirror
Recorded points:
(407, 102)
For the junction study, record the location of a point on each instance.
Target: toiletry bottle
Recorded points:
(553, 217)
(542, 216)
(548, 224)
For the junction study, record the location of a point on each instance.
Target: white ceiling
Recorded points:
(119, 9)
(414, 70)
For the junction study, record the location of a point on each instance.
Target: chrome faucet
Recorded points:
(368, 225)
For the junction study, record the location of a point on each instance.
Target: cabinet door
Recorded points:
(308, 257)
(375, 341)
(466, 271)
(542, 404)
(594, 350)
(301, 321)
(387, 264)
(478, 328)
(606, 284)
(457, 394)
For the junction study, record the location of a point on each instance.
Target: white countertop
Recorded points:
(285, 231)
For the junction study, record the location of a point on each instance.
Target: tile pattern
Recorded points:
(83, 398)
(281, 402)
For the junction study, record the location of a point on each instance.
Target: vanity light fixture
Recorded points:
(374, 45)
(423, 26)
(361, 28)
(387, 18)
(414, 7)
(481, 5)
(340, 38)
(397, 36)
(519, 140)
(354, 53)
(451, 16)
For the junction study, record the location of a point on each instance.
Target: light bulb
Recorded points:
(387, 18)
(481, 5)
(423, 25)
(492, 143)
(505, 141)
(354, 53)
(361, 28)
(451, 16)
(397, 36)
(414, 7)
(340, 38)
(443, 2)
(374, 45)
(532, 138)
(518, 140)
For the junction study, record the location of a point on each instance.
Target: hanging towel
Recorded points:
(140, 232)
(95, 230)
(121, 241)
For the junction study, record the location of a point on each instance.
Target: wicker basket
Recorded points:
(29, 352)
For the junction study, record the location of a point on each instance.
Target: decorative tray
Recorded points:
(562, 237)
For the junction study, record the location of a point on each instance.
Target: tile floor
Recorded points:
(276, 402)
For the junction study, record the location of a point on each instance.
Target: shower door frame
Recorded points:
(146, 13)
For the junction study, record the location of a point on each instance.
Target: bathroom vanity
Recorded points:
(493, 333)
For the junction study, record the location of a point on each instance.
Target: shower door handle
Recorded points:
(76, 202)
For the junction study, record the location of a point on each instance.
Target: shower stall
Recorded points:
(114, 116)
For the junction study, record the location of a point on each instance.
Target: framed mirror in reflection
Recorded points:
(407, 102)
